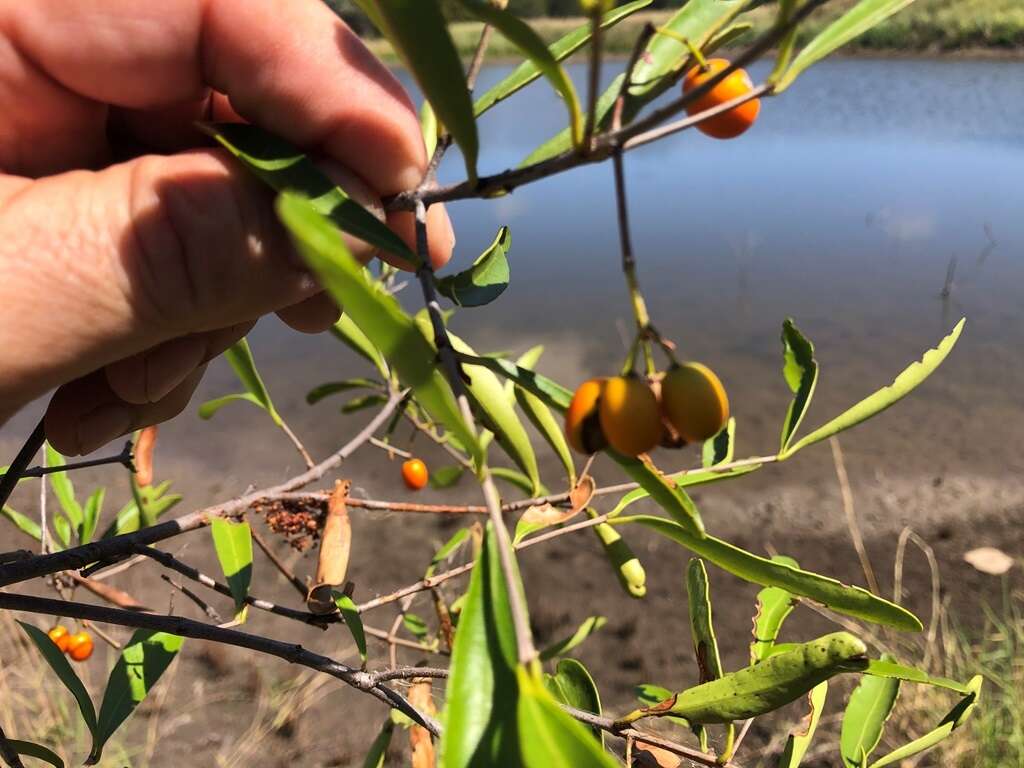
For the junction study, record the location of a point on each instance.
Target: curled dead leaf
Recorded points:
(335, 545)
(649, 756)
(421, 697)
(110, 593)
(547, 514)
(143, 456)
(989, 560)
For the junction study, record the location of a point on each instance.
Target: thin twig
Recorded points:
(298, 444)
(391, 450)
(594, 75)
(209, 610)
(851, 515)
(124, 458)
(9, 480)
(285, 571)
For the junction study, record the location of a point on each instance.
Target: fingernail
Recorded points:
(99, 427)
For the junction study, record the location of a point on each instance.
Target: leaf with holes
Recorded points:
(800, 737)
(774, 604)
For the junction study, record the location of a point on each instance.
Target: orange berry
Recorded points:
(59, 636)
(727, 125)
(582, 422)
(80, 646)
(630, 418)
(415, 475)
(694, 401)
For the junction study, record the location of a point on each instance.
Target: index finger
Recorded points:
(290, 66)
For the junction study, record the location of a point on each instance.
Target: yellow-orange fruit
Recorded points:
(630, 418)
(735, 121)
(59, 636)
(415, 475)
(80, 646)
(694, 401)
(582, 422)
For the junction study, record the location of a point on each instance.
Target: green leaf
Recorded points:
(482, 692)
(702, 629)
(589, 626)
(774, 604)
(560, 50)
(548, 736)
(849, 600)
(446, 477)
(684, 479)
(233, 542)
(521, 34)
(24, 524)
(800, 737)
(562, 141)
(720, 448)
(800, 369)
(485, 280)
(143, 660)
(551, 393)
(210, 407)
(64, 490)
(859, 19)
(665, 493)
(349, 611)
(867, 711)
(447, 549)
(628, 568)
(348, 332)
(891, 670)
(317, 394)
(59, 664)
(363, 402)
(283, 167)
(518, 480)
(428, 127)
(953, 720)
(155, 501)
(38, 751)
(549, 427)
(91, 514)
(419, 34)
(902, 386)
(63, 529)
(377, 314)
(650, 695)
(240, 358)
(416, 626)
(379, 749)
(572, 684)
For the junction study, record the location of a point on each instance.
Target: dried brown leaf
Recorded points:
(421, 697)
(143, 456)
(335, 545)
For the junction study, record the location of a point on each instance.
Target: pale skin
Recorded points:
(131, 252)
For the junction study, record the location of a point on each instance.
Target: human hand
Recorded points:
(121, 280)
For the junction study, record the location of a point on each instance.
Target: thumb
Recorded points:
(99, 266)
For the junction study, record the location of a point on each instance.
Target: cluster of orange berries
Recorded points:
(633, 415)
(78, 646)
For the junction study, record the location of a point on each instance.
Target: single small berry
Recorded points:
(415, 475)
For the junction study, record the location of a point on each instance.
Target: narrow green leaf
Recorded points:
(233, 542)
(379, 749)
(953, 720)
(377, 314)
(353, 621)
(240, 358)
(283, 167)
(774, 604)
(348, 332)
(892, 670)
(720, 448)
(859, 19)
(551, 393)
(316, 394)
(572, 684)
(446, 477)
(800, 737)
(447, 549)
(208, 409)
(143, 660)
(415, 625)
(428, 127)
(628, 568)
(665, 493)
(560, 50)
(59, 664)
(24, 524)
(91, 514)
(649, 695)
(800, 369)
(874, 404)
(419, 34)
(480, 716)
(549, 428)
(702, 629)
(850, 600)
(64, 490)
(485, 280)
(866, 713)
(562, 141)
(363, 402)
(589, 626)
(548, 736)
(684, 479)
(521, 34)
(38, 751)
(154, 498)
(63, 529)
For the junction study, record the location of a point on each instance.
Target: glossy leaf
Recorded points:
(684, 479)
(702, 629)
(480, 716)
(720, 448)
(953, 720)
(521, 34)
(353, 621)
(38, 751)
(233, 543)
(143, 660)
(867, 711)
(59, 664)
(548, 736)
(859, 19)
(447, 476)
(24, 524)
(800, 370)
(874, 404)
(377, 314)
(239, 357)
(628, 568)
(572, 684)
(800, 737)
(283, 167)
(560, 50)
(419, 33)
(208, 409)
(891, 670)
(378, 753)
(849, 600)
(774, 604)
(665, 493)
(549, 427)
(551, 393)
(485, 280)
(350, 334)
(589, 626)
(317, 394)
